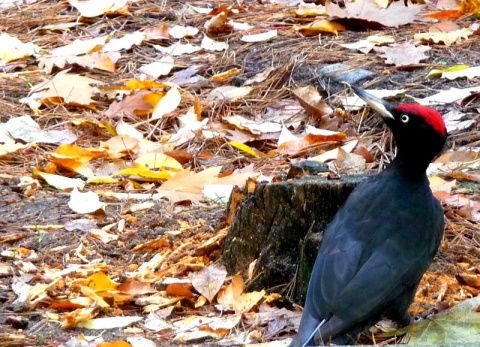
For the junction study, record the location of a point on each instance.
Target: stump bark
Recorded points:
(280, 226)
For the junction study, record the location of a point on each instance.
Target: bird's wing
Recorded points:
(352, 277)
(386, 274)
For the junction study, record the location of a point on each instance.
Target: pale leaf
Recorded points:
(404, 54)
(393, 16)
(168, 103)
(447, 38)
(260, 37)
(209, 280)
(12, 48)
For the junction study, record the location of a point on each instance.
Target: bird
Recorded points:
(382, 240)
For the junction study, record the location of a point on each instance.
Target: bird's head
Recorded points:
(419, 131)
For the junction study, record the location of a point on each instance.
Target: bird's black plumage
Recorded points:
(382, 240)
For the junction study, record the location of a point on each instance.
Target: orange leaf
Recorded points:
(469, 6)
(114, 344)
(179, 289)
(231, 293)
(446, 14)
(308, 142)
(220, 77)
(132, 286)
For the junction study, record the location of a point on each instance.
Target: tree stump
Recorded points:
(280, 225)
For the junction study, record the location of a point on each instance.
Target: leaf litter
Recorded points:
(172, 110)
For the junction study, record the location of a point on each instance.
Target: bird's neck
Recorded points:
(412, 169)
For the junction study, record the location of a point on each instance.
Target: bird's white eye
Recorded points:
(404, 118)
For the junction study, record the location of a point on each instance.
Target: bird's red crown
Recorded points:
(430, 115)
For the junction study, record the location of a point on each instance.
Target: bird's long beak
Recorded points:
(382, 107)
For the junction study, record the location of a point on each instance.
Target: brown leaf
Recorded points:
(233, 297)
(130, 106)
(181, 155)
(132, 286)
(349, 162)
(457, 156)
(187, 181)
(307, 142)
(443, 26)
(312, 102)
(463, 176)
(364, 152)
(209, 280)
(469, 280)
(218, 24)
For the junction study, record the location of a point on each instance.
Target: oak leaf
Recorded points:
(393, 16)
(404, 54)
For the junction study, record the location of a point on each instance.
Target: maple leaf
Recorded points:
(71, 88)
(404, 54)
(393, 16)
(448, 38)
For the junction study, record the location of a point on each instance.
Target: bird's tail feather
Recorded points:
(309, 325)
(312, 335)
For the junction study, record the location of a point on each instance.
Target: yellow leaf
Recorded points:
(76, 152)
(102, 180)
(320, 26)
(158, 161)
(142, 171)
(100, 282)
(438, 72)
(244, 148)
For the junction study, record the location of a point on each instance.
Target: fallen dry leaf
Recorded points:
(218, 24)
(469, 6)
(310, 99)
(78, 47)
(307, 142)
(158, 68)
(368, 11)
(180, 31)
(95, 60)
(209, 280)
(320, 26)
(168, 103)
(68, 88)
(212, 45)
(130, 106)
(448, 38)
(84, 203)
(265, 36)
(253, 126)
(12, 48)
(404, 54)
(93, 8)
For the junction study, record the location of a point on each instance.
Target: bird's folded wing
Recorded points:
(381, 278)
